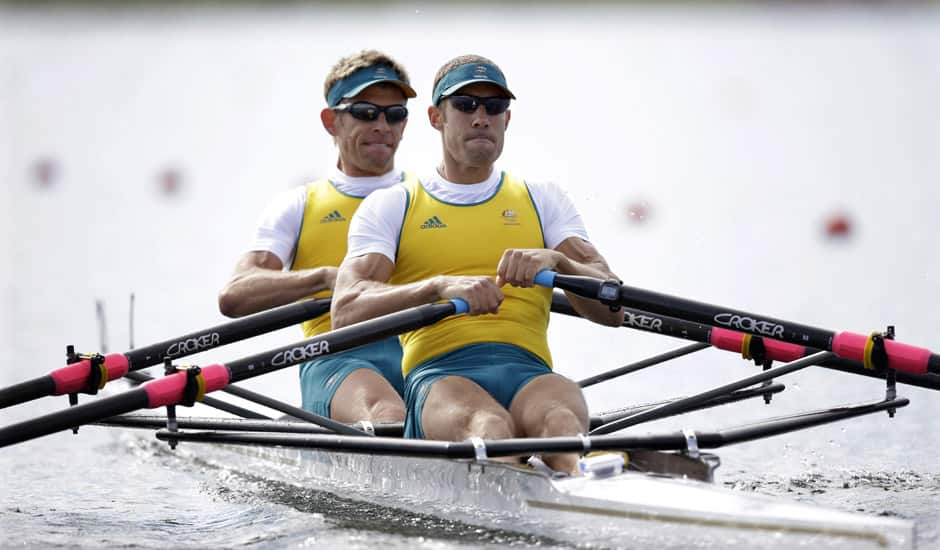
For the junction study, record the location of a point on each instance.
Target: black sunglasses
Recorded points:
(362, 110)
(470, 104)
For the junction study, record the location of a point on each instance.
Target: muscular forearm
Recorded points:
(259, 289)
(364, 299)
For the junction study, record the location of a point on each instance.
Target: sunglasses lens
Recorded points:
(464, 103)
(396, 113)
(470, 104)
(496, 105)
(364, 111)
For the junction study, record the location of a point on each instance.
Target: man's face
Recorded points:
(472, 139)
(367, 148)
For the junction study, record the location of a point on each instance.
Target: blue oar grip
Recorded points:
(545, 278)
(460, 305)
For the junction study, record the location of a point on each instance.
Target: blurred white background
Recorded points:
(707, 148)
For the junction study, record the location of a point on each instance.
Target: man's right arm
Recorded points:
(362, 291)
(259, 283)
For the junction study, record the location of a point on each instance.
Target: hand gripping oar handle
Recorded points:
(848, 345)
(177, 387)
(74, 378)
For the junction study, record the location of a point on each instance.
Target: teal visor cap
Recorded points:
(362, 79)
(469, 73)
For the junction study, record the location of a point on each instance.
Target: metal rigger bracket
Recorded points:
(753, 348)
(194, 390)
(876, 357)
(97, 374)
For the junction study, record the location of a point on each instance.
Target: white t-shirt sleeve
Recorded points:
(278, 226)
(376, 226)
(560, 219)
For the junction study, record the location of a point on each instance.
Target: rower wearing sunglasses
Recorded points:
(472, 231)
(300, 238)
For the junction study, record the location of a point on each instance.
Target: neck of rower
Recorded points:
(456, 172)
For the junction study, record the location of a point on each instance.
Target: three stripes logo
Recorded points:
(433, 223)
(333, 216)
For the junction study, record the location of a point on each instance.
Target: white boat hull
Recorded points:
(628, 510)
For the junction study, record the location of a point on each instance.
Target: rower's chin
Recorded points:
(377, 155)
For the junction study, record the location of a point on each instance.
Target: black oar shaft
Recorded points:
(227, 333)
(208, 401)
(678, 328)
(73, 378)
(645, 321)
(76, 416)
(174, 389)
(255, 397)
(701, 312)
(26, 391)
(338, 340)
(848, 345)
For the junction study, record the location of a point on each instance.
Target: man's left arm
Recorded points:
(573, 256)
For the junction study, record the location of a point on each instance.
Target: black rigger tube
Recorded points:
(529, 446)
(681, 404)
(642, 364)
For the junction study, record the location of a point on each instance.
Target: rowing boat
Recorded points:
(653, 489)
(631, 509)
(666, 500)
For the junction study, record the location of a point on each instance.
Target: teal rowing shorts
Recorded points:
(500, 369)
(320, 378)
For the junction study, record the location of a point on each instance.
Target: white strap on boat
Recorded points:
(585, 443)
(479, 449)
(367, 427)
(691, 443)
(539, 465)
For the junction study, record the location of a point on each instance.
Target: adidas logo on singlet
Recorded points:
(333, 216)
(433, 223)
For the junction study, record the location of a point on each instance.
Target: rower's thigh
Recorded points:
(457, 408)
(550, 405)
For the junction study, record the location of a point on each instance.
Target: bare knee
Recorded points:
(386, 410)
(559, 421)
(490, 425)
(550, 405)
(466, 423)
